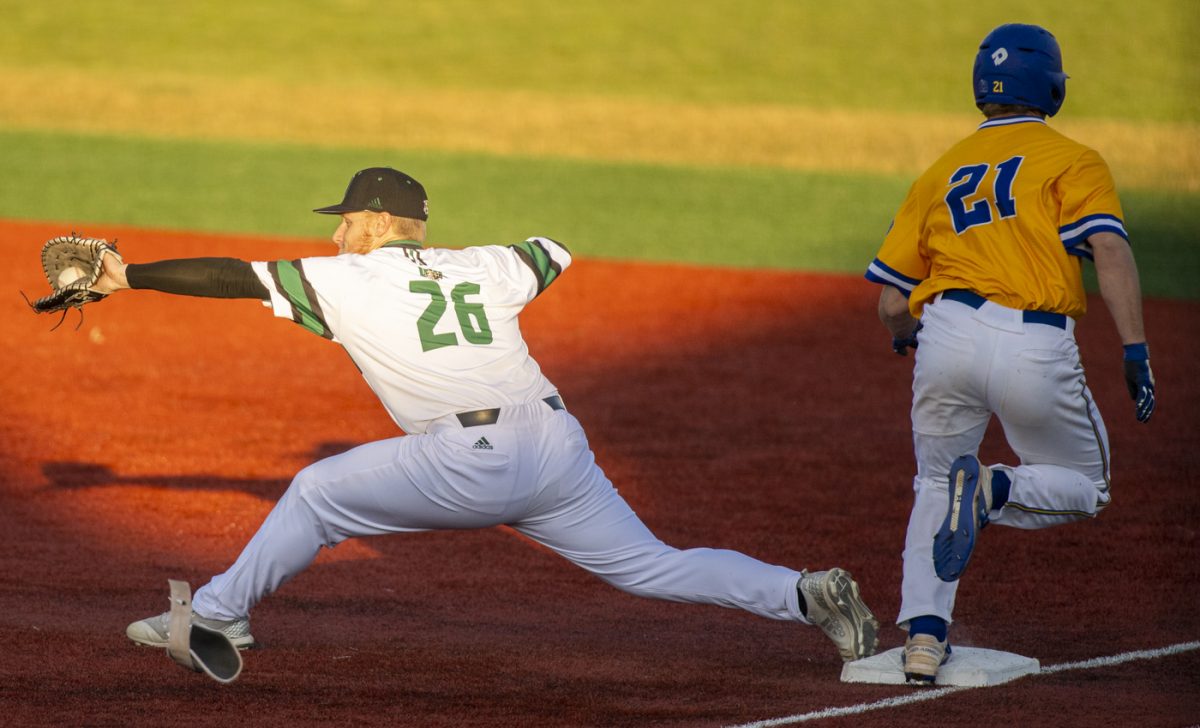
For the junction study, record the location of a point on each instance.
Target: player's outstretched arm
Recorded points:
(208, 277)
(1116, 272)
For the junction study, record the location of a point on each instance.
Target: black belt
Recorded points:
(974, 300)
(490, 416)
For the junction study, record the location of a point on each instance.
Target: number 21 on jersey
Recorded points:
(965, 182)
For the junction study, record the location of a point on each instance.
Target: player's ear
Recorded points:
(381, 224)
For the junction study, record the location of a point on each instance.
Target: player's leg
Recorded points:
(579, 515)
(1053, 425)
(921, 591)
(391, 486)
(949, 417)
(591, 525)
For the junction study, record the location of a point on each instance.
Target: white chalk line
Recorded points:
(1123, 657)
(920, 695)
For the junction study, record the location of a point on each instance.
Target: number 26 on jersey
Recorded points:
(966, 181)
(472, 321)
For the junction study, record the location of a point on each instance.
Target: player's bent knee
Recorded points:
(308, 496)
(305, 485)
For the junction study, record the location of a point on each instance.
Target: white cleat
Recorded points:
(155, 632)
(923, 655)
(835, 606)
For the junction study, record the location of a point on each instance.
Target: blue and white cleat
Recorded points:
(970, 502)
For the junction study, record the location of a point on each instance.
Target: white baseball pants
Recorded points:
(532, 470)
(975, 362)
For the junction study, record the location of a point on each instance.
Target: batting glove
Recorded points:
(1140, 380)
(901, 346)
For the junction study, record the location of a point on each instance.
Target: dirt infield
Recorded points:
(754, 410)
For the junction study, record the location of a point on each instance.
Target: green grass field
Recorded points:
(1132, 60)
(656, 131)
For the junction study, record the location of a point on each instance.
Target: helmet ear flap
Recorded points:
(1058, 92)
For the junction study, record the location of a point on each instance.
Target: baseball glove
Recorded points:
(72, 264)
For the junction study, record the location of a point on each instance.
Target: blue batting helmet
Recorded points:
(1020, 65)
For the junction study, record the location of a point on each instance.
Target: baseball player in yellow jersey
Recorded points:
(489, 440)
(982, 269)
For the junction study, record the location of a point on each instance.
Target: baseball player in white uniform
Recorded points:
(982, 268)
(489, 440)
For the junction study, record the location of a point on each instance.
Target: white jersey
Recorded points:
(434, 331)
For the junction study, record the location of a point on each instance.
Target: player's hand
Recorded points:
(1140, 380)
(112, 275)
(902, 345)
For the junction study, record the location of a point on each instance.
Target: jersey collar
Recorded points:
(1008, 120)
(402, 244)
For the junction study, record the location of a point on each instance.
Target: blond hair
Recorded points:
(409, 228)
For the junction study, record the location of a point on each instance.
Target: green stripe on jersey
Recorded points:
(539, 260)
(306, 310)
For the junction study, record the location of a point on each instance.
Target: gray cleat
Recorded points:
(835, 606)
(154, 631)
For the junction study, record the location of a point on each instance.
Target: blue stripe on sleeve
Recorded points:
(880, 272)
(1078, 231)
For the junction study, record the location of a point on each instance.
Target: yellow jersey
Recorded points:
(1005, 213)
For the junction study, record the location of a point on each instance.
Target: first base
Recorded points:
(972, 667)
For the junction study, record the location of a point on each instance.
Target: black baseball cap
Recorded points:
(382, 189)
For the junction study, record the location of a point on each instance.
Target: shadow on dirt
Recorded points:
(70, 475)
